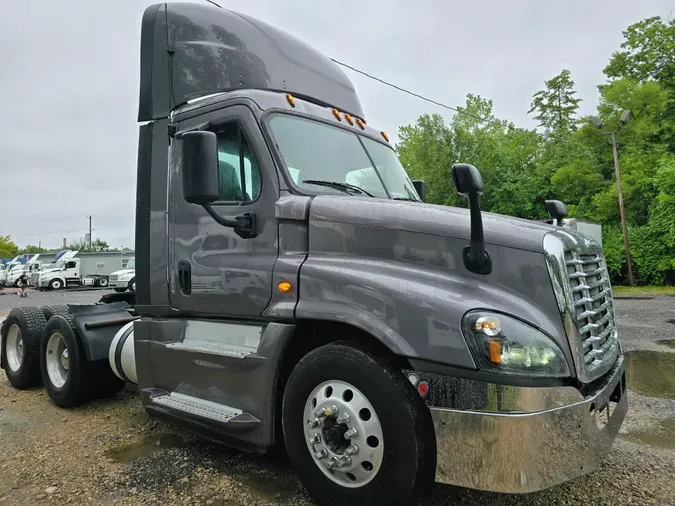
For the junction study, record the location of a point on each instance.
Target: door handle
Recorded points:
(185, 277)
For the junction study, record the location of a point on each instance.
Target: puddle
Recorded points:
(270, 488)
(651, 373)
(662, 436)
(126, 452)
(667, 342)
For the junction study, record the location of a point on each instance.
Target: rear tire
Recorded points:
(403, 460)
(53, 309)
(63, 363)
(20, 342)
(102, 282)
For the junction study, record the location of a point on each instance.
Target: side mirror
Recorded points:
(201, 180)
(469, 182)
(557, 210)
(420, 189)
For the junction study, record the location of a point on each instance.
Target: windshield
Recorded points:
(322, 153)
(131, 264)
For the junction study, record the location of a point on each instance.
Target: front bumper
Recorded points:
(530, 451)
(119, 284)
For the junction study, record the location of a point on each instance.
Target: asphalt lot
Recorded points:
(111, 452)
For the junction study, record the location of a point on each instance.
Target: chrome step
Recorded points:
(197, 407)
(214, 348)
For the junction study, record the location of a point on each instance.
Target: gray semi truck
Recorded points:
(294, 290)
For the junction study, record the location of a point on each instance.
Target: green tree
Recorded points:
(32, 250)
(556, 106)
(83, 245)
(648, 52)
(7, 247)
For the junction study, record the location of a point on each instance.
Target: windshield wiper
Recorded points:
(408, 199)
(345, 187)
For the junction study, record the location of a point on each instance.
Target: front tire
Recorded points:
(20, 343)
(55, 284)
(132, 285)
(390, 457)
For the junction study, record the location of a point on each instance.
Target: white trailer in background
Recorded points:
(590, 228)
(69, 271)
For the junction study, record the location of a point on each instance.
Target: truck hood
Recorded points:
(430, 219)
(123, 272)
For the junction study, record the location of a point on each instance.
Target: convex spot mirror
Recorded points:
(199, 157)
(467, 179)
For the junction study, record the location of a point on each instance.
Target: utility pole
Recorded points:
(90, 232)
(621, 210)
(596, 122)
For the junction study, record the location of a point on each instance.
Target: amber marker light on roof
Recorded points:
(285, 286)
(361, 123)
(290, 99)
(349, 119)
(384, 136)
(336, 113)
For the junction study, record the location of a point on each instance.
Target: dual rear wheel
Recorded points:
(42, 345)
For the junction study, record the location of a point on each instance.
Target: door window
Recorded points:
(239, 172)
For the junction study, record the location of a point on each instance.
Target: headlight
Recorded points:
(503, 344)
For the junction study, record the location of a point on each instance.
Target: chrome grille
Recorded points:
(592, 300)
(582, 288)
(113, 277)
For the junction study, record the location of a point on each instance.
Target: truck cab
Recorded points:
(124, 279)
(65, 271)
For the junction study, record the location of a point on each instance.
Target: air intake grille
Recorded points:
(593, 312)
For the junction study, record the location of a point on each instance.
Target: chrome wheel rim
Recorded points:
(57, 360)
(343, 434)
(133, 286)
(56, 285)
(14, 348)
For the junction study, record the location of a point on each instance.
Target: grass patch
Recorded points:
(643, 290)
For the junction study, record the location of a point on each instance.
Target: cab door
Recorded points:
(213, 271)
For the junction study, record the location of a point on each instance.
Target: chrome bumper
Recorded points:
(526, 452)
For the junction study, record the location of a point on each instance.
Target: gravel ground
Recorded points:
(111, 452)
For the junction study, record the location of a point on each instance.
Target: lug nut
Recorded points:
(343, 418)
(321, 454)
(351, 433)
(315, 439)
(352, 449)
(326, 411)
(332, 463)
(344, 462)
(313, 424)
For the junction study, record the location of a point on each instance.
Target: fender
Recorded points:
(96, 341)
(414, 309)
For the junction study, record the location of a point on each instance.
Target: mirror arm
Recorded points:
(244, 225)
(476, 258)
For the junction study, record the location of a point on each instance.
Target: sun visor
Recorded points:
(190, 50)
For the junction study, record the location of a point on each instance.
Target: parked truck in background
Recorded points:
(124, 279)
(66, 272)
(385, 342)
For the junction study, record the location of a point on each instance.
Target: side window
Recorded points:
(70, 265)
(239, 171)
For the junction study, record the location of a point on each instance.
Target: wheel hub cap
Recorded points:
(57, 360)
(343, 433)
(14, 348)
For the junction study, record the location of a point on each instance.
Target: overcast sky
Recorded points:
(69, 84)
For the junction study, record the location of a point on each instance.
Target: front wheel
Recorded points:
(55, 284)
(356, 430)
